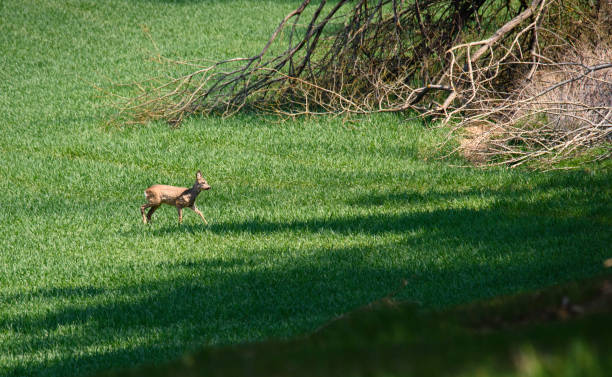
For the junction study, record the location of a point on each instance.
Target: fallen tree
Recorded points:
(528, 81)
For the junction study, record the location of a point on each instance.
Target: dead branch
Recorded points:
(537, 87)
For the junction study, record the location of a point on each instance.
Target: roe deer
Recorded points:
(180, 197)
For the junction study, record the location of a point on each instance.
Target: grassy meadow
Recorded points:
(308, 219)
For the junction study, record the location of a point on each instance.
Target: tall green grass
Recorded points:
(309, 218)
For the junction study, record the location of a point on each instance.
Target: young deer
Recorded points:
(180, 197)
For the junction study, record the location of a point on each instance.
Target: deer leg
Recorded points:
(196, 210)
(180, 214)
(142, 211)
(153, 208)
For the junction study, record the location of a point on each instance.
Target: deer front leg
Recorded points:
(142, 211)
(196, 210)
(150, 213)
(180, 214)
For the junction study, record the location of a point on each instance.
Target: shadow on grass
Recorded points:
(397, 339)
(550, 236)
(511, 210)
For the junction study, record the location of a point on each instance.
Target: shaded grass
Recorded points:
(525, 335)
(309, 219)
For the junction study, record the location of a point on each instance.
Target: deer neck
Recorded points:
(195, 190)
(189, 196)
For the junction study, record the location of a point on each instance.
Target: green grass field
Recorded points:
(308, 219)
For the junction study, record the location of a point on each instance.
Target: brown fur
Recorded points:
(179, 197)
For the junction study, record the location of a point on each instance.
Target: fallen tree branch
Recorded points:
(538, 87)
(486, 45)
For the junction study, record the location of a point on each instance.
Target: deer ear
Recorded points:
(199, 174)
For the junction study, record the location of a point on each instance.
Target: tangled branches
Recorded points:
(518, 73)
(548, 102)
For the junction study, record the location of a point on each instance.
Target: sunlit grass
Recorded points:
(309, 218)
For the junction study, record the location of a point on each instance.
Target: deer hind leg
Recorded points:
(180, 214)
(196, 210)
(142, 211)
(150, 213)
